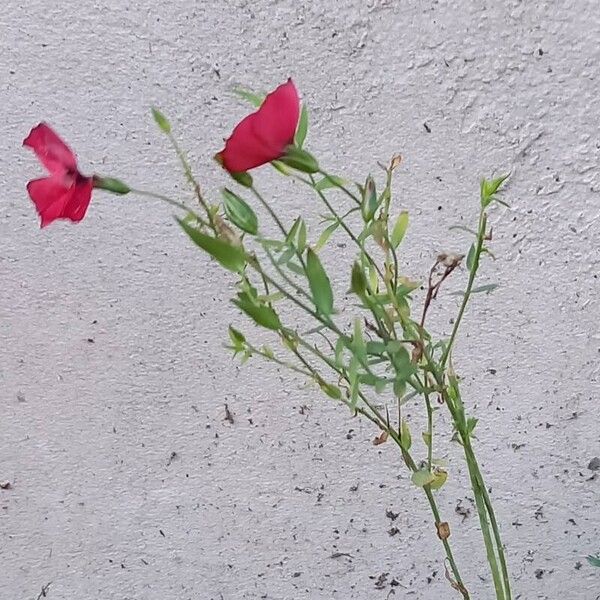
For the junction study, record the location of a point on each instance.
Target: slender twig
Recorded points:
(467, 295)
(187, 169)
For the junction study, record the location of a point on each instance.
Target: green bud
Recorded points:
(161, 121)
(116, 186)
(369, 202)
(243, 178)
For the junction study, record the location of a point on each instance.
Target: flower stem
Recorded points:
(170, 201)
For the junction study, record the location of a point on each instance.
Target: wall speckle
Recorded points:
(125, 478)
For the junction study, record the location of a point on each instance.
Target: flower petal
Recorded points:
(79, 201)
(52, 152)
(55, 200)
(263, 136)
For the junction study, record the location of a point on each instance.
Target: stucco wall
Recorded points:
(126, 481)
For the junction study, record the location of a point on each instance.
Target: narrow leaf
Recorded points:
(330, 181)
(302, 237)
(230, 257)
(594, 560)
(399, 230)
(471, 257)
(318, 281)
(324, 237)
(261, 314)
(331, 390)
(293, 232)
(358, 282)
(405, 437)
(302, 127)
(255, 99)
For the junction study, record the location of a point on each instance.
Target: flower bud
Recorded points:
(110, 184)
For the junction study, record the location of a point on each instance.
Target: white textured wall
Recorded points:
(111, 359)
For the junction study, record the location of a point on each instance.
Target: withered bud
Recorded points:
(225, 232)
(443, 530)
(450, 261)
(395, 162)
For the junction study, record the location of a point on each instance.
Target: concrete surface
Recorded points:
(126, 481)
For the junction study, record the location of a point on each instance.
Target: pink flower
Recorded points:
(66, 193)
(264, 135)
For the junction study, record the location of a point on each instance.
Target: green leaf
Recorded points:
(238, 341)
(463, 228)
(358, 281)
(422, 477)
(236, 336)
(594, 560)
(405, 437)
(471, 257)
(300, 160)
(255, 99)
(161, 121)
(399, 387)
(331, 390)
(376, 348)
(302, 127)
(490, 187)
(399, 230)
(358, 342)
(261, 314)
(487, 289)
(228, 256)
(295, 268)
(239, 212)
(302, 237)
(293, 232)
(318, 281)
(330, 181)
(340, 347)
(426, 438)
(471, 424)
(402, 362)
(324, 237)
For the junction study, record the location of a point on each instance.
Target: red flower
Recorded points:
(264, 135)
(66, 194)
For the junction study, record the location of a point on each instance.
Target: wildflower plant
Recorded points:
(375, 357)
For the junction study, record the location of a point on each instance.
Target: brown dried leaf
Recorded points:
(381, 438)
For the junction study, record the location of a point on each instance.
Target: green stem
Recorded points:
(483, 520)
(429, 409)
(272, 358)
(341, 187)
(467, 295)
(168, 200)
(492, 517)
(410, 463)
(187, 169)
(344, 226)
